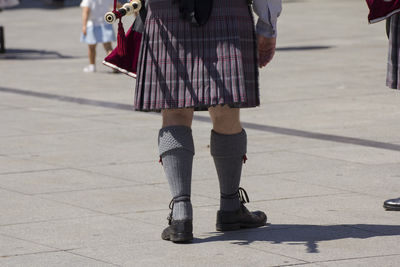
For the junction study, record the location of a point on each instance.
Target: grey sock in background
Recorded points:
(176, 151)
(228, 152)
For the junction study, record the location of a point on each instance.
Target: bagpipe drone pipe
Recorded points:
(124, 57)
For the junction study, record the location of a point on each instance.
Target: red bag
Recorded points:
(382, 9)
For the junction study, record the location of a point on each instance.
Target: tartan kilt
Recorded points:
(185, 66)
(392, 78)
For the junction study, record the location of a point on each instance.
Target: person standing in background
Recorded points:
(393, 77)
(95, 30)
(5, 4)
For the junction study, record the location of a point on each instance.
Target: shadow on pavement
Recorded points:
(305, 235)
(30, 54)
(303, 48)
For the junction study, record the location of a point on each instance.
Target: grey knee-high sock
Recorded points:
(228, 152)
(176, 151)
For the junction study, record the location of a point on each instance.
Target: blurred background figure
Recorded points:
(58, 2)
(5, 4)
(392, 79)
(8, 3)
(379, 10)
(95, 30)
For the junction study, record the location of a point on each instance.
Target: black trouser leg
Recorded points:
(2, 43)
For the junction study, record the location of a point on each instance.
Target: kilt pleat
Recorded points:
(392, 78)
(182, 66)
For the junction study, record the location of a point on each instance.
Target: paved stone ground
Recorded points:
(79, 179)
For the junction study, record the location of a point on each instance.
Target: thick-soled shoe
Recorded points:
(392, 204)
(179, 231)
(241, 218)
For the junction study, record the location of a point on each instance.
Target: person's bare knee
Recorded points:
(225, 120)
(177, 117)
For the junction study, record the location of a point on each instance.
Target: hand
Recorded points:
(266, 50)
(186, 9)
(84, 30)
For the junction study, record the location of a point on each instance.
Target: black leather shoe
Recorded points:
(392, 204)
(241, 218)
(179, 231)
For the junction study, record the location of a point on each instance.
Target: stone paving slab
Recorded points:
(60, 180)
(18, 208)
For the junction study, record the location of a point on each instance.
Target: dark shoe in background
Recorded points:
(392, 204)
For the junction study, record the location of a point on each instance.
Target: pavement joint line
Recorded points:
(73, 205)
(254, 126)
(330, 158)
(85, 189)
(324, 186)
(67, 165)
(133, 185)
(297, 264)
(92, 258)
(160, 210)
(79, 170)
(118, 177)
(300, 197)
(337, 159)
(32, 171)
(47, 221)
(34, 242)
(61, 133)
(15, 191)
(35, 253)
(336, 188)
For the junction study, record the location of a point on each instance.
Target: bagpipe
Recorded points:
(124, 57)
(382, 9)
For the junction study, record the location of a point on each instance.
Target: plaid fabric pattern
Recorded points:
(183, 66)
(392, 78)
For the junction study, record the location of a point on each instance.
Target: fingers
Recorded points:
(266, 50)
(186, 9)
(265, 57)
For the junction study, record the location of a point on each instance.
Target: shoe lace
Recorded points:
(183, 198)
(241, 193)
(243, 197)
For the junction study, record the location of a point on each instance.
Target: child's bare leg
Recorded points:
(92, 54)
(108, 47)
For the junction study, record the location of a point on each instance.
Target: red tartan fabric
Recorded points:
(382, 9)
(182, 66)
